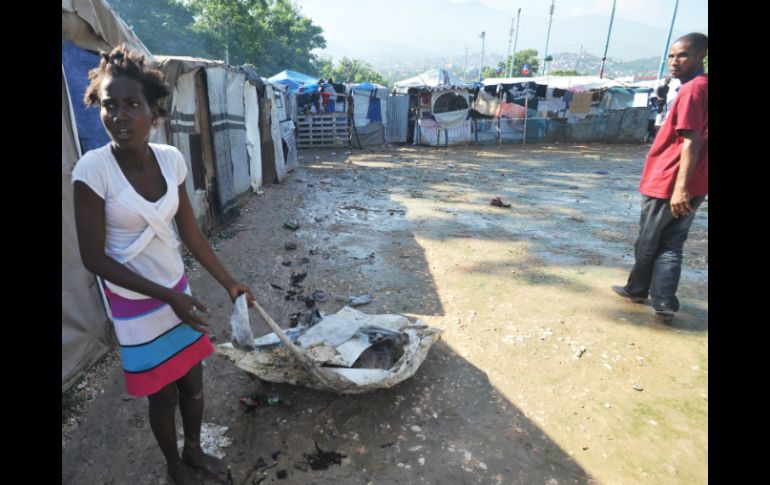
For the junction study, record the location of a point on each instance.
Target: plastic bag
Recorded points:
(239, 324)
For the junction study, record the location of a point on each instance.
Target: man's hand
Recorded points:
(680, 202)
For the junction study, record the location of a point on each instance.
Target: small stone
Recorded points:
(638, 387)
(421, 461)
(290, 246)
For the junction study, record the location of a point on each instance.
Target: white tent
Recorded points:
(444, 100)
(432, 80)
(87, 25)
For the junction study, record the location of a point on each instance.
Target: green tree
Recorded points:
(488, 72)
(324, 66)
(356, 71)
(164, 26)
(271, 34)
(526, 56)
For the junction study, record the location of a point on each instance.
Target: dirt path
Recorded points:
(542, 374)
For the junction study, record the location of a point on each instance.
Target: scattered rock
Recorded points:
(360, 300)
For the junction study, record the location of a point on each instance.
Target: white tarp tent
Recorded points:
(432, 80)
(87, 25)
(444, 104)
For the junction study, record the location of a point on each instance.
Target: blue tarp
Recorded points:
(366, 86)
(308, 88)
(77, 62)
(292, 79)
(375, 111)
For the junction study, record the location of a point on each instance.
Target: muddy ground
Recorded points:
(542, 374)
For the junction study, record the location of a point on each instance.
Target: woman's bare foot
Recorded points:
(211, 466)
(182, 475)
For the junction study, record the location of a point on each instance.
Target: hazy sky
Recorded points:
(399, 21)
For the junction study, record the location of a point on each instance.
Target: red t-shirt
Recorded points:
(689, 111)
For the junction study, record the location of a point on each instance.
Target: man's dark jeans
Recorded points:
(658, 252)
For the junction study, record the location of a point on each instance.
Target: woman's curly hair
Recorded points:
(124, 62)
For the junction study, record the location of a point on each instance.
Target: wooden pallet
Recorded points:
(324, 130)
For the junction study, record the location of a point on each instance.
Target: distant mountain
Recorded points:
(440, 29)
(436, 34)
(590, 65)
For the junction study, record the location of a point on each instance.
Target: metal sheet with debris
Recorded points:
(337, 340)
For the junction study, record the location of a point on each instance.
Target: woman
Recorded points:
(126, 195)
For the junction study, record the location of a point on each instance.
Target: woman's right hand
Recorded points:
(191, 311)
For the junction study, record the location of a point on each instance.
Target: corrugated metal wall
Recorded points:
(398, 111)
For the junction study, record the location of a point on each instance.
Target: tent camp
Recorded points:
(370, 112)
(87, 26)
(442, 102)
(572, 108)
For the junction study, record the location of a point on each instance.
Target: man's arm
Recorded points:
(680, 199)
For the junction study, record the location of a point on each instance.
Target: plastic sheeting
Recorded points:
(253, 142)
(450, 119)
(429, 132)
(76, 63)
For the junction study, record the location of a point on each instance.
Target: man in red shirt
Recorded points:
(674, 182)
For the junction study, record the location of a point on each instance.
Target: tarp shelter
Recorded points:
(443, 105)
(278, 121)
(214, 127)
(87, 26)
(370, 112)
(292, 79)
(213, 113)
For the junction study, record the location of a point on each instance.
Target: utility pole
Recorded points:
(668, 40)
(481, 67)
(607, 45)
(515, 40)
(580, 56)
(465, 76)
(548, 37)
(508, 53)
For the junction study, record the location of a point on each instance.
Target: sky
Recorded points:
(356, 23)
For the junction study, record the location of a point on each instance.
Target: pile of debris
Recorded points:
(351, 352)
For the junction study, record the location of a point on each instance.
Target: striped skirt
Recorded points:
(156, 348)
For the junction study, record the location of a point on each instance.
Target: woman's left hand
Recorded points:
(236, 289)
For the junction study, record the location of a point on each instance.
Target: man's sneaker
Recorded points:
(621, 290)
